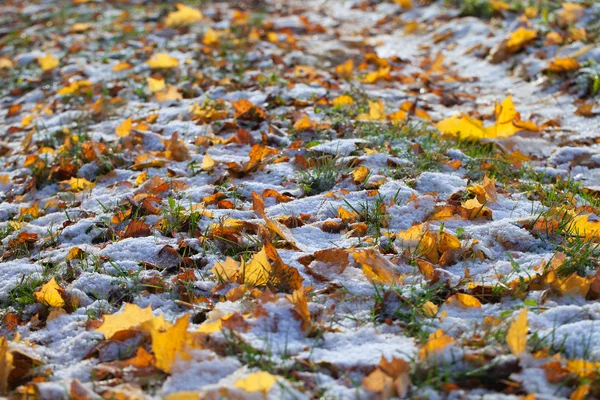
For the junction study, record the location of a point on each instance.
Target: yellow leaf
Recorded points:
(184, 396)
(260, 381)
(80, 27)
(406, 4)
(360, 174)
(563, 64)
(464, 300)
(6, 365)
(437, 341)
(131, 316)
(519, 38)
(49, 294)
(227, 270)
(573, 285)
(155, 85)
(583, 368)
(211, 327)
(376, 112)
(125, 128)
(430, 309)
(26, 121)
(258, 270)
(375, 266)
(171, 94)
(168, 343)
(207, 163)
(74, 87)
(381, 73)
(141, 178)
(580, 393)
(76, 184)
(305, 123)
(342, 100)
(210, 37)
(6, 63)
(162, 61)
(183, 16)
(462, 126)
(48, 62)
(516, 337)
(122, 66)
(345, 70)
(33, 211)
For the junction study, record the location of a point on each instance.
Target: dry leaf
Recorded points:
(48, 62)
(162, 61)
(183, 16)
(130, 317)
(516, 337)
(260, 381)
(49, 294)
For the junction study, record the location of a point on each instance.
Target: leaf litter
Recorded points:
(365, 199)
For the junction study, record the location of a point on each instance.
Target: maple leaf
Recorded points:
(260, 381)
(305, 123)
(6, 63)
(169, 343)
(48, 62)
(183, 16)
(376, 112)
(345, 70)
(508, 122)
(6, 365)
(246, 110)
(298, 299)
(74, 87)
(131, 316)
(563, 64)
(516, 337)
(464, 300)
(375, 266)
(162, 61)
(360, 175)
(155, 85)
(171, 94)
(211, 37)
(258, 270)
(76, 184)
(122, 66)
(124, 129)
(49, 294)
(342, 100)
(436, 342)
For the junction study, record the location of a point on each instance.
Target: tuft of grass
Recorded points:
(321, 177)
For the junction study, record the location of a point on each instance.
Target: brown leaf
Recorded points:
(137, 228)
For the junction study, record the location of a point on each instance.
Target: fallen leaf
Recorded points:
(76, 184)
(183, 16)
(49, 294)
(516, 337)
(162, 61)
(124, 129)
(155, 85)
(130, 317)
(260, 381)
(436, 342)
(6, 365)
(47, 62)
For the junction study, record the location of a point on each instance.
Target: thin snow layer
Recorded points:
(444, 185)
(13, 272)
(362, 347)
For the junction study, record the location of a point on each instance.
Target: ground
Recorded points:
(300, 199)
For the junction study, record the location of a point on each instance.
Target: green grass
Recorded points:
(321, 177)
